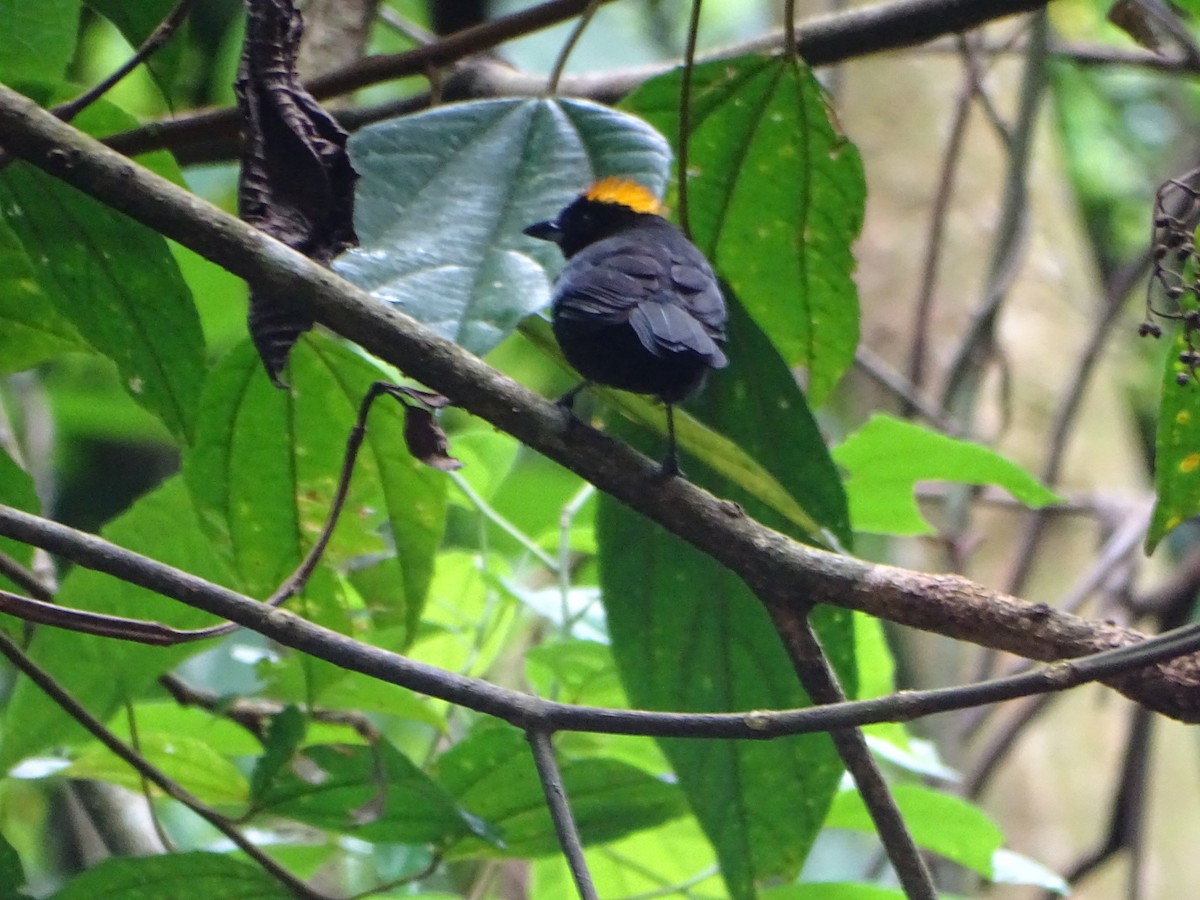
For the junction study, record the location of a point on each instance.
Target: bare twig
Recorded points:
(684, 138)
(963, 371)
(1123, 281)
(561, 63)
(542, 746)
(934, 243)
(158, 37)
(820, 682)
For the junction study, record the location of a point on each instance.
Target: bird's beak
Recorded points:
(545, 231)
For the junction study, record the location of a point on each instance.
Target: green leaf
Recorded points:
(687, 634)
(265, 465)
(136, 22)
(174, 876)
(285, 731)
(16, 490)
(11, 874)
(834, 890)
(440, 230)
(887, 457)
(31, 331)
(163, 525)
(640, 865)
(775, 200)
(373, 793)
(39, 39)
(1176, 448)
(188, 761)
(949, 826)
(117, 283)
(492, 774)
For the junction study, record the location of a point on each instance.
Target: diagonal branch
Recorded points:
(945, 604)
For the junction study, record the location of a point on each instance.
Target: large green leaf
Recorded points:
(1176, 448)
(886, 458)
(31, 330)
(949, 826)
(687, 634)
(39, 39)
(265, 465)
(101, 672)
(186, 760)
(374, 793)
(174, 876)
(444, 196)
(11, 875)
(16, 490)
(775, 199)
(118, 285)
(492, 774)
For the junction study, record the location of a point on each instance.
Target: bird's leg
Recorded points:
(670, 465)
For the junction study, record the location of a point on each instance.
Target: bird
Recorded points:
(637, 306)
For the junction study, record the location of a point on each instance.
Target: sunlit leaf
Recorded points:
(1176, 448)
(947, 825)
(444, 196)
(136, 21)
(887, 457)
(188, 761)
(174, 876)
(775, 199)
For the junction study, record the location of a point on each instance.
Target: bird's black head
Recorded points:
(607, 207)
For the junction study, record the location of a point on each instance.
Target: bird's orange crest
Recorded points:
(625, 191)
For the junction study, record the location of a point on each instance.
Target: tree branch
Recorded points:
(944, 604)
(821, 41)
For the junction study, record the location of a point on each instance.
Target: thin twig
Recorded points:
(148, 770)
(821, 683)
(162, 33)
(1119, 287)
(401, 25)
(873, 365)
(542, 746)
(959, 391)
(684, 138)
(25, 579)
(576, 33)
(488, 512)
(934, 240)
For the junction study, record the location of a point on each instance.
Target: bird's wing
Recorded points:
(667, 328)
(606, 289)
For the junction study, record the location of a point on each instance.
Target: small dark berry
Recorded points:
(1182, 379)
